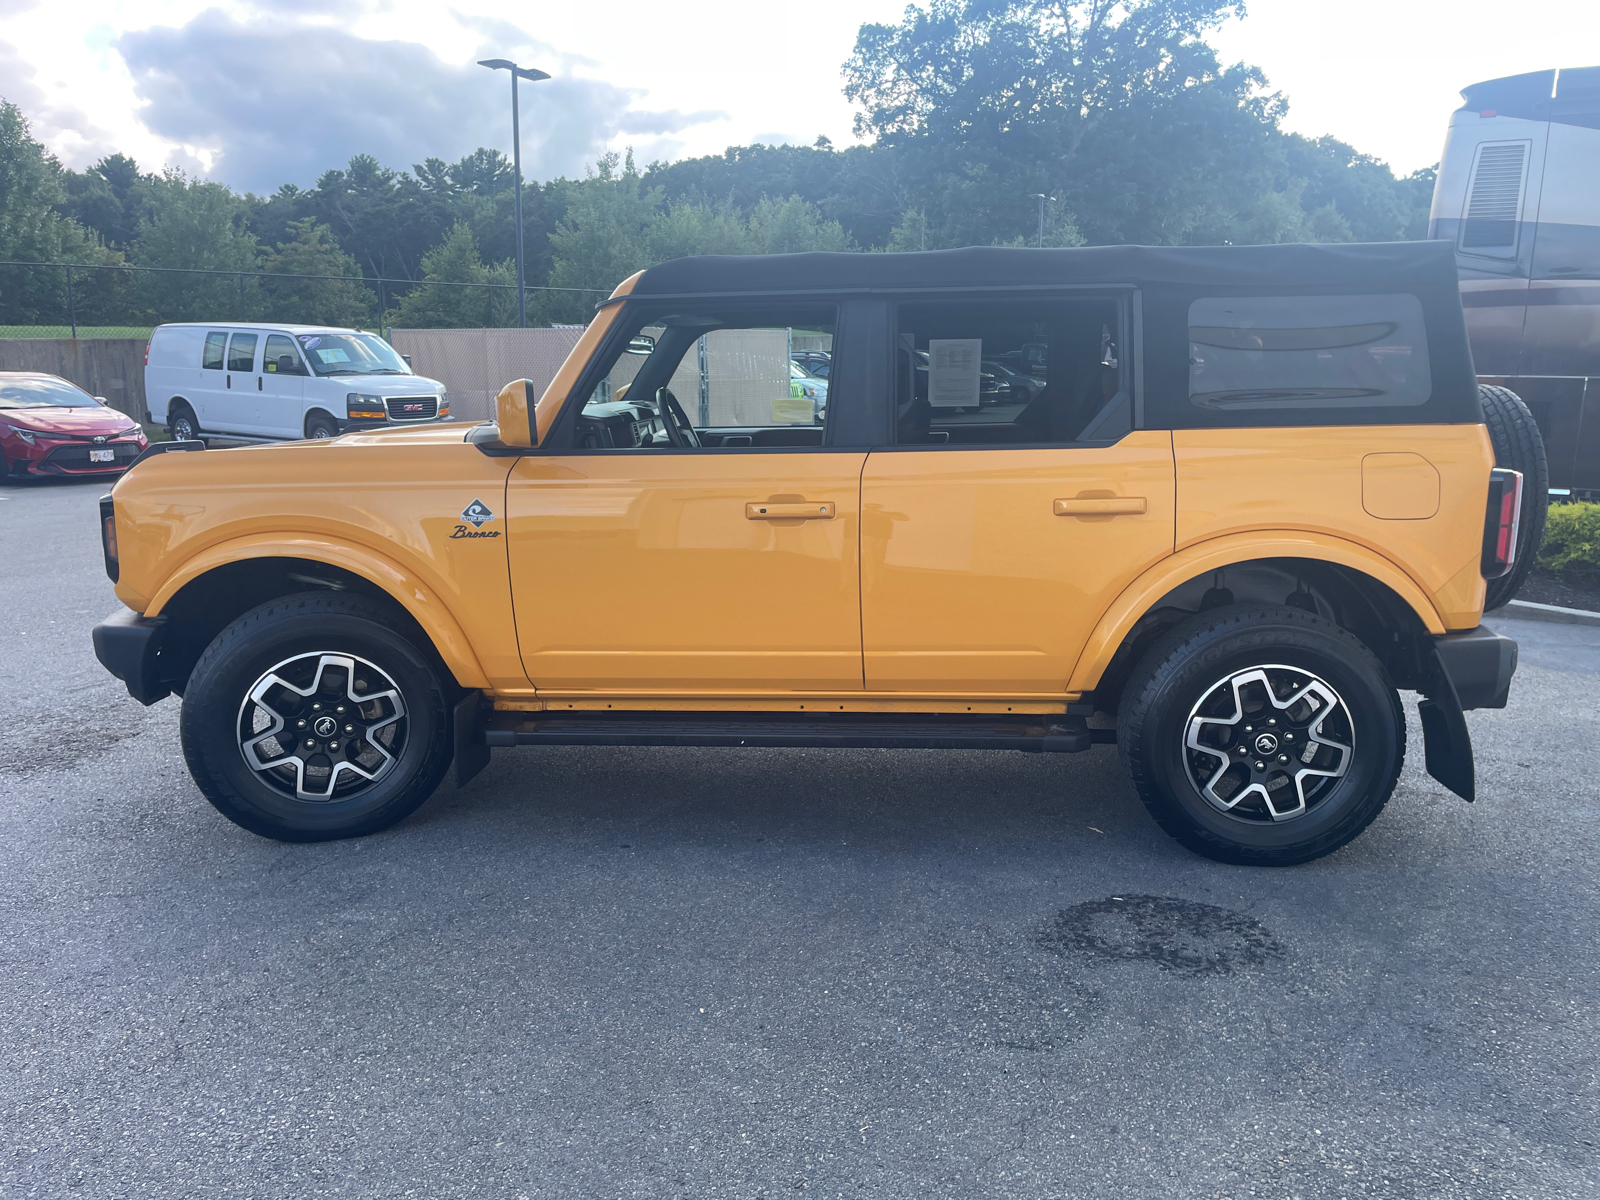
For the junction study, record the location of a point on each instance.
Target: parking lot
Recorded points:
(718, 973)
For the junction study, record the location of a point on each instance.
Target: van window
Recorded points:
(1326, 352)
(996, 372)
(242, 353)
(280, 346)
(211, 357)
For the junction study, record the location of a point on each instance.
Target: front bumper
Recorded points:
(1479, 664)
(54, 458)
(129, 646)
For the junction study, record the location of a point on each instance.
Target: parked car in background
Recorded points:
(804, 385)
(1012, 385)
(816, 362)
(51, 427)
(276, 382)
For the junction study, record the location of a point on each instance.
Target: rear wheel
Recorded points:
(1518, 445)
(1263, 736)
(309, 718)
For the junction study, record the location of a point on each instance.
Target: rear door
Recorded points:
(995, 536)
(232, 408)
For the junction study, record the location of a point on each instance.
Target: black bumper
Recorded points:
(1480, 664)
(129, 646)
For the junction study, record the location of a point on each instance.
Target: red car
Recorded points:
(51, 427)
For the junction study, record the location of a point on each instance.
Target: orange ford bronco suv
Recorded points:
(1217, 506)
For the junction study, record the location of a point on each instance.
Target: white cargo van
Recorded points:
(271, 382)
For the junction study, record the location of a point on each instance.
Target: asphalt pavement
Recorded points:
(755, 973)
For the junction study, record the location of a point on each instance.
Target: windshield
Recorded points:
(351, 354)
(43, 393)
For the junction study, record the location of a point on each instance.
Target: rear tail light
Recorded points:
(1500, 522)
(108, 536)
(147, 354)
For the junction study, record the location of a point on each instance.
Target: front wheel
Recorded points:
(309, 718)
(320, 428)
(1263, 736)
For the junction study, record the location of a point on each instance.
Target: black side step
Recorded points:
(895, 731)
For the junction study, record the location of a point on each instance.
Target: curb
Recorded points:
(1527, 610)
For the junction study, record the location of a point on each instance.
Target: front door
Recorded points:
(281, 403)
(693, 535)
(1004, 522)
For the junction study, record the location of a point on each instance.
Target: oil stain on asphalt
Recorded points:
(1184, 937)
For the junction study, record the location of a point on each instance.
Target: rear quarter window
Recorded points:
(1258, 353)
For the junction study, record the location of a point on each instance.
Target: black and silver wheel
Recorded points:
(310, 718)
(1261, 735)
(320, 427)
(181, 423)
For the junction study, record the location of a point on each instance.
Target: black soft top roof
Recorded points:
(1398, 264)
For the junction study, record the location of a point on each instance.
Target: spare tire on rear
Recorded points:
(1519, 446)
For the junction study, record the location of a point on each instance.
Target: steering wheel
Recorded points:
(679, 432)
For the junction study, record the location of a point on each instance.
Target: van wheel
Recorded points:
(319, 427)
(181, 423)
(1518, 445)
(1261, 735)
(309, 718)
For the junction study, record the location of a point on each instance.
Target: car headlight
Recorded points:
(359, 407)
(26, 435)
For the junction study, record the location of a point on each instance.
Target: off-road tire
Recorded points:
(320, 426)
(1185, 666)
(290, 629)
(178, 413)
(1518, 445)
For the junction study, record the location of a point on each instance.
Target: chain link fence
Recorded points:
(84, 300)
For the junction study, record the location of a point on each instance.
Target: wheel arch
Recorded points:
(178, 399)
(311, 414)
(225, 581)
(1351, 585)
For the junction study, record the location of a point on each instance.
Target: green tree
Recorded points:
(455, 261)
(604, 237)
(31, 230)
(311, 250)
(199, 227)
(792, 225)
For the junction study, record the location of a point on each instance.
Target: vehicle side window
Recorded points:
(242, 352)
(728, 374)
(211, 356)
(990, 372)
(280, 356)
(1323, 352)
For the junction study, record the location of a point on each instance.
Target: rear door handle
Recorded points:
(803, 511)
(1102, 506)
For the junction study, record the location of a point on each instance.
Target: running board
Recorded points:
(897, 731)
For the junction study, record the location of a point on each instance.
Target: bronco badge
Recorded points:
(475, 514)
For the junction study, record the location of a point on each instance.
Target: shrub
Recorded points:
(1572, 542)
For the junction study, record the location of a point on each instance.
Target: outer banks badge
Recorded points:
(476, 514)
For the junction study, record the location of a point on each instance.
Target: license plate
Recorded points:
(102, 456)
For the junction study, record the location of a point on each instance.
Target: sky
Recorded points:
(257, 94)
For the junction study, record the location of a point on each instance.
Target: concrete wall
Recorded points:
(474, 364)
(109, 367)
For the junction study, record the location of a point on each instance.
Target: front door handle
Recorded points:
(788, 511)
(1102, 506)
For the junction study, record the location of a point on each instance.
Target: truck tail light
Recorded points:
(147, 354)
(108, 536)
(1500, 522)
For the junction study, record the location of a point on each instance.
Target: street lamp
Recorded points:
(1042, 198)
(532, 76)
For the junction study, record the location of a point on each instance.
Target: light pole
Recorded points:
(1042, 198)
(532, 76)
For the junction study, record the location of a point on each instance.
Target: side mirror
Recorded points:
(287, 365)
(406, 358)
(643, 344)
(104, 401)
(514, 414)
